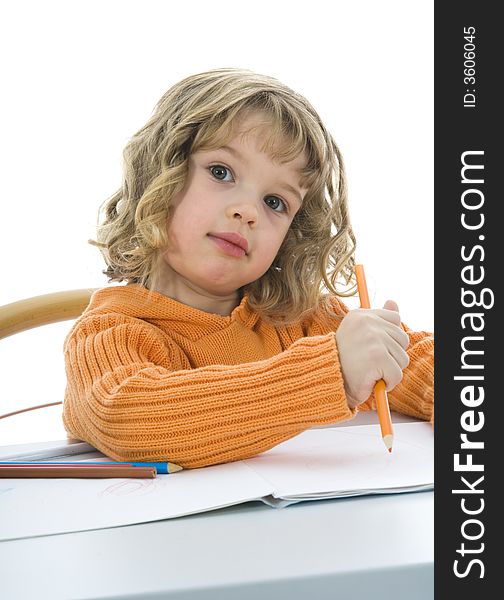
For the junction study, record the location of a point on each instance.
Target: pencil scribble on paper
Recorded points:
(133, 487)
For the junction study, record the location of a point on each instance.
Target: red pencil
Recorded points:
(85, 471)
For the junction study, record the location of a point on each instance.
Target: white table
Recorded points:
(373, 547)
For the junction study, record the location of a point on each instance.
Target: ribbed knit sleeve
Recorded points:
(127, 396)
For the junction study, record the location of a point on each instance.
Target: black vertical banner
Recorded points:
(469, 245)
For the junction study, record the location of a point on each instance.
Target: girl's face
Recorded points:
(236, 192)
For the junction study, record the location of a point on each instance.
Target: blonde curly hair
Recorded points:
(198, 113)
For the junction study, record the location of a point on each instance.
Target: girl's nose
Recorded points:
(246, 211)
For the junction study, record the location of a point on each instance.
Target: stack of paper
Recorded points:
(317, 464)
(349, 461)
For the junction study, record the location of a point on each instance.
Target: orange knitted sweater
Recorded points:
(149, 378)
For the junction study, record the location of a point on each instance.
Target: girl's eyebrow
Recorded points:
(285, 186)
(289, 188)
(232, 151)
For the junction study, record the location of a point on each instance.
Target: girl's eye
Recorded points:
(276, 203)
(219, 172)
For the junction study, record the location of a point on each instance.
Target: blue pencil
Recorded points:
(162, 468)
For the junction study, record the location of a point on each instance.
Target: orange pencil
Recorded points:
(382, 405)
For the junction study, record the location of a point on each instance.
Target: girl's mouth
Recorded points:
(227, 247)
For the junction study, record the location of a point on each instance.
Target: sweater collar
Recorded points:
(136, 301)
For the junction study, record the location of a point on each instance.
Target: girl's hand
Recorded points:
(372, 346)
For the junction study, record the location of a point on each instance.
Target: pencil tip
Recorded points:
(173, 468)
(388, 440)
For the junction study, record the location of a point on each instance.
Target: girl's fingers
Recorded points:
(398, 335)
(391, 316)
(391, 305)
(399, 355)
(392, 374)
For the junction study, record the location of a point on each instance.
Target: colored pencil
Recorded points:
(380, 391)
(76, 472)
(162, 468)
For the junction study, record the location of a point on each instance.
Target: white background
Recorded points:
(80, 77)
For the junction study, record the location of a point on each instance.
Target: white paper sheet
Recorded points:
(345, 460)
(316, 464)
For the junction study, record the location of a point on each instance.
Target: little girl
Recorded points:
(231, 230)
